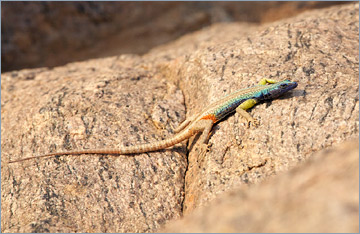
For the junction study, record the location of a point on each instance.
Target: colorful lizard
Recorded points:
(239, 101)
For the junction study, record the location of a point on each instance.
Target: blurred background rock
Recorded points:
(48, 34)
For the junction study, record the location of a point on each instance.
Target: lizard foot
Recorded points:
(253, 122)
(202, 150)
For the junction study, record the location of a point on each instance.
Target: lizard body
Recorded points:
(239, 101)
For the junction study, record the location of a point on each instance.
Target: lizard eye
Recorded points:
(283, 85)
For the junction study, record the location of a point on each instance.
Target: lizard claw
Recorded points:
(254, 122)
(202, 150)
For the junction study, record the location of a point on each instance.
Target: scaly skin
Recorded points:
(238, 101)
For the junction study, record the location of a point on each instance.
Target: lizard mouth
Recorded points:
(291, 86)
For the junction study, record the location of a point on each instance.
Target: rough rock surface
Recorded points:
(321, 195)
(99, 103)
(319, 49)
(42, 34)
(131, 99)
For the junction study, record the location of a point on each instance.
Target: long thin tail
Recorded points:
(136, 149)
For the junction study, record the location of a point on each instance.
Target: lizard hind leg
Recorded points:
(182, 125)
(205, 126)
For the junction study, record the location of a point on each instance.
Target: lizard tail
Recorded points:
(135, 149)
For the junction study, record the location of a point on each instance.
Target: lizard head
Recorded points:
(278, 89)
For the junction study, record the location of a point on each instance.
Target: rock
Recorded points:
(320, 195)
(94, 104)
(133, 99)
(43, 34)
(319, 49)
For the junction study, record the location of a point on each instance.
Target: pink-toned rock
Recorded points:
(319, 49)
(43, 34)
(320, 195)
(94, 104)
(131, 99)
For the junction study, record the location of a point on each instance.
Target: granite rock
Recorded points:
(48, 34)
(130, 99)
(321, 195)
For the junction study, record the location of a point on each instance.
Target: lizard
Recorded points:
(239, 101)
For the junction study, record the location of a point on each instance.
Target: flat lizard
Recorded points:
(238, 101)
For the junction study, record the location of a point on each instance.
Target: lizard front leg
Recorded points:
(265, 81)
(241, 109)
